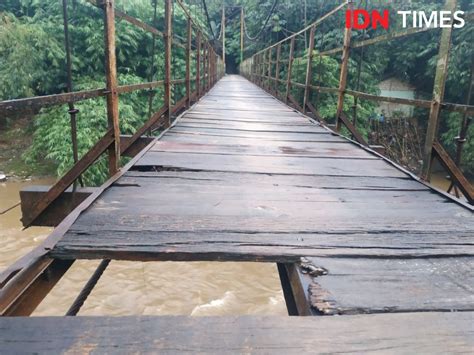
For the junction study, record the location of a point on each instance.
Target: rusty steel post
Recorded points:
(204, 67)
(438, 94)
(343, 73)
(269, 74)
(208, 69)
(112, 94)
(168, 38)
(211, 69)
(152, 64)
(241, 34)
(188, 62)
(214, 76)
(461, 139)
(198, 66)
(260, 69)
(223, 36)
(277, 69)
(264, 69)
(309, 69)
(257, 69)
(290, 65)
(72, 110)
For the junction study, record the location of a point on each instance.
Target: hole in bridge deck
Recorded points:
(171, 288)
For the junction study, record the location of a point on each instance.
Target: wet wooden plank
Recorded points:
(256, 141)
(275, 132)
(269, 164)
(221, 216)
(380, 285)
(433, 333)
(206, 118)
(256, 147)
(226, 189)
(264, 136)
(253, 126)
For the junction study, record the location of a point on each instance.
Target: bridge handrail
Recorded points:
(264, 71)
(208, 68)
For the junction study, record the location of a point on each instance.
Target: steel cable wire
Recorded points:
(250, 38)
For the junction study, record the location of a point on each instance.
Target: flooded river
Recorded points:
(151, 288)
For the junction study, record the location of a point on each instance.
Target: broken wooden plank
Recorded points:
(383, 285)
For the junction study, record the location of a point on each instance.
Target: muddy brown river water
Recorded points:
(151, 288)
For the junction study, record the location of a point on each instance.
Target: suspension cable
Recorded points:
(188, 14)
(208, 19)
(250, 38)
(86, 291)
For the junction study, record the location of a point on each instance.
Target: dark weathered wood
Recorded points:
(27, 301)
(314, 111)
(59, 209)
(226, 220)
(111, 78)
(229, 146)
(456, 174)
(381, 285)
(295, 103)
(132, 149)
(264, 136)
(350, 126)
(266, 191)
(268, 164)
(293, 287)
(67, 180)
(152, 121)
(421, 333)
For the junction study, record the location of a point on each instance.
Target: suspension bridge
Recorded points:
(241, 171)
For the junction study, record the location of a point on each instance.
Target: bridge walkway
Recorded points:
(243, 177)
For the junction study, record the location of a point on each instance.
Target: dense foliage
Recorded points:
(33, 62)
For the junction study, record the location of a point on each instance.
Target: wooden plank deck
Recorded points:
(241, 176)
(410, 333)
(252, 180)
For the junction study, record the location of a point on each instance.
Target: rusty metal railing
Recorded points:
(266, 72)
(208, 67)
